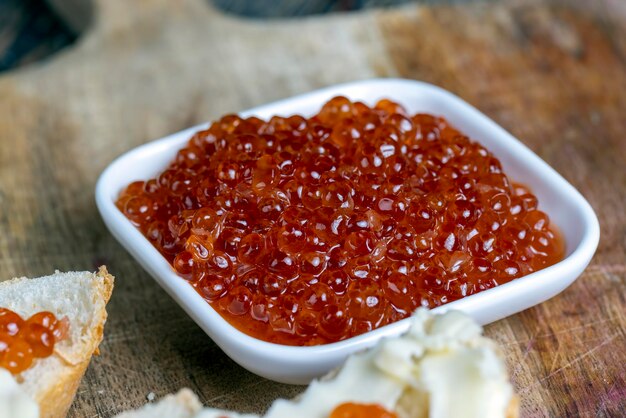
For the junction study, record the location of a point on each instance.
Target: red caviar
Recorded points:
(23, 341)
(308, 231)
(355, 410)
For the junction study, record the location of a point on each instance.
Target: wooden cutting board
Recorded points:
(554, 74)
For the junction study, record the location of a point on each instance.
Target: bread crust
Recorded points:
(513, 410)
(56, 400)
(105, 294)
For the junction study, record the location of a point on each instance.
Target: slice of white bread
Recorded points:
(184, 404)
(443, 367)
(81, 297)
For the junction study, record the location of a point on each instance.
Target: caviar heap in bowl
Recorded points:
(306, 231)
(316, 231)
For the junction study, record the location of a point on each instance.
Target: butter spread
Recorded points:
(14, 402)
(441, 368)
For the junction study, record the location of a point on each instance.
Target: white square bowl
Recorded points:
(565, 206)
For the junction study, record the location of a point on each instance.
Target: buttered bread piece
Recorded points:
(443, 367)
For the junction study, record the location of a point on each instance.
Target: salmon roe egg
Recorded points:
(356, 410)
(23, 341)
(306, 231)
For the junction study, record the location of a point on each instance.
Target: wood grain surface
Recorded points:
(554, 74)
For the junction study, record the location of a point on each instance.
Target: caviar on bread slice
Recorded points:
(61, 318)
